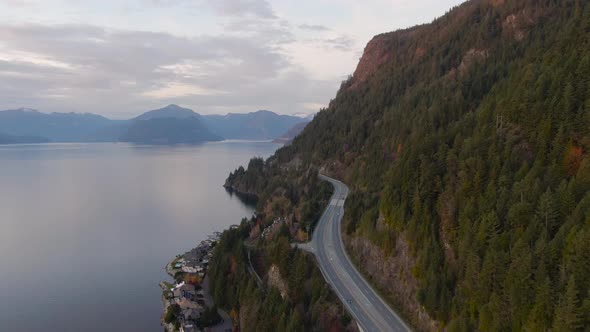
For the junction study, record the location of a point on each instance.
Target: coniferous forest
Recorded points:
(465, 141)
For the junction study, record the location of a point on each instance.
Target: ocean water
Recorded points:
(86, 229)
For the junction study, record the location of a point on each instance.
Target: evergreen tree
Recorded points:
(567, 313)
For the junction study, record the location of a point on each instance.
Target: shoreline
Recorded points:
(188, 295)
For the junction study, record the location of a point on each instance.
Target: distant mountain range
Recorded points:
(288, 137)
(58, 127)
(261, 125)
(10, 139)
(169, 125)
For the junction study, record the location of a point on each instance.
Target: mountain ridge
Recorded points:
(89, 127)
(257, 125)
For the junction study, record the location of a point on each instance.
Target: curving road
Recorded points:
(364, 304)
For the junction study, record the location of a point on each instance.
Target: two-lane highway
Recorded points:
(361, 300)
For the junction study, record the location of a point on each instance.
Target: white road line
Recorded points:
(369, 308)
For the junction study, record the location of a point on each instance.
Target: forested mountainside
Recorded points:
(291, 294)
(289, 135)
(465, 143)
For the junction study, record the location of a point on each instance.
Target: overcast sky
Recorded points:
(120, 58)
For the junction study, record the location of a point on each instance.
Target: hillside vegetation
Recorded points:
(465, 143)
(292, 295)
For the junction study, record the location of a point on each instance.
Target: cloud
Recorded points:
(342, 43)
(313, 27)
(256, 8)
(235, 8)
(273, 32)
(211, 55)
(16, 3)
(94, 69)
(175, 90)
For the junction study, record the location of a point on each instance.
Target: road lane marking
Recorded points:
(383, 318)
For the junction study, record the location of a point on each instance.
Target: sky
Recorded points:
(119, 58)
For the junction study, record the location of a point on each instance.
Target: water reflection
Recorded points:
(247, 199)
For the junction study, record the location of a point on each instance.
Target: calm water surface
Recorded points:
(86, 229)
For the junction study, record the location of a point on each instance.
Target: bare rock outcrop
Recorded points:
(274, 279)
(393, 275)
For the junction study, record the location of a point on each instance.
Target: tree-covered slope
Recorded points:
(465, 143)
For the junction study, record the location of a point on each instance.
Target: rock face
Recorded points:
(399, 48)
(392, 274)
(377, 52)
(274, 279)
(385, 48)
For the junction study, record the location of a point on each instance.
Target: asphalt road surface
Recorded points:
(362, 301)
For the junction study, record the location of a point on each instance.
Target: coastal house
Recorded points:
(188, 328)
(184, 291)
(185, 304)
(190, 269)
(190, 314)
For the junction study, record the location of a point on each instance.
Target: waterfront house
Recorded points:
(185, 303)
(190, 269)
(184, 290)
(188, 328)
(190, 314)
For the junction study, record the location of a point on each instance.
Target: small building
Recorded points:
(185, 304)
(188, 328)
(183, 290)
(189, 269)
(190, 314)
